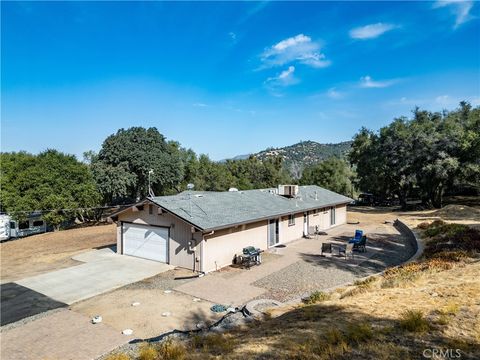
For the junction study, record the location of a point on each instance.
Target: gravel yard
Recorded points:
(385, 247)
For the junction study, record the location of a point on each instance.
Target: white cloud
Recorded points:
(444, 100)
(200, 105)
(334, 94)
(285, 78)
(461, 10)
(232, 35)
(297, 49)
(371, 31)
(368, 82)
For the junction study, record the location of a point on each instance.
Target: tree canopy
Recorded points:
(121, 168)
(423, 156)
(333, 174)
(50, 180)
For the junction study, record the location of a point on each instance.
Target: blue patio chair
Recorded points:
(358, 236)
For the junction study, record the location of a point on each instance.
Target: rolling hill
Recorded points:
(297, 156)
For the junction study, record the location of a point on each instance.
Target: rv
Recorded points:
(10, 228)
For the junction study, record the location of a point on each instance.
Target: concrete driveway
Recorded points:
(103, 270)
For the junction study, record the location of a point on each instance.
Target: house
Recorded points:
(204, 230)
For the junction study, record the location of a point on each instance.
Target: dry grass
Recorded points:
(118, 357)
(50, 251)
(414, 321)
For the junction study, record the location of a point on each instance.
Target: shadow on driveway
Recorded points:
(19, 302)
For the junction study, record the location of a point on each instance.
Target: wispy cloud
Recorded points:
(333, 93)
(285, 78)
(371, 31)
(200, 104)
(368, 82)
(297, 49)
(461, 10)
(444, 100)
(232, 36)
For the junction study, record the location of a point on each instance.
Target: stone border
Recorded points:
(250, 310)
(413, 237)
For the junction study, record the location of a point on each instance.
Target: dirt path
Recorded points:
(51, 251)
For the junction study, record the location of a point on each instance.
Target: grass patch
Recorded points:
(215, 344)
(359, 332)
(118, 357)
(316, 297)
(360, 287)
(147, 352)
(414, 321)
(166, 350)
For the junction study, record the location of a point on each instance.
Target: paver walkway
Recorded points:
(64, 335)
(237, 289)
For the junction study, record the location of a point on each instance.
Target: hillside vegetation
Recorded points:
(298, 156)
(410, 311)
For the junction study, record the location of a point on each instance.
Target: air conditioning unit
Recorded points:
(288, 190)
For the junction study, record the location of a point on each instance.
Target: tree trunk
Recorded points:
(437, 197)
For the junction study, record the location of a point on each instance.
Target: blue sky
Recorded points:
(228, 78)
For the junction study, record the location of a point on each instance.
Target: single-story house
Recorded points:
(204, 230)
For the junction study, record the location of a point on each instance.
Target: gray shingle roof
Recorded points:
(209, 210)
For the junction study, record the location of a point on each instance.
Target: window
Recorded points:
(23, 225)
(38, 223)
(291, 220)
(150, 209)
(315, 212)
(332, 216)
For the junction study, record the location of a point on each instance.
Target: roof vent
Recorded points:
(233, 189)
(288, 190)
(198, 195)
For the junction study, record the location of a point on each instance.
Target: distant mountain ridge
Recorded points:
(305, 153)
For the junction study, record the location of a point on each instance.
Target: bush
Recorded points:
(315, 297)
(452, 237)
(171, 350)
(414, 321)
(147, 352)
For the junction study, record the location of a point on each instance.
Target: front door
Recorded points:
(273, 232)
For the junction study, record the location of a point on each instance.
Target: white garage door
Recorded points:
(147, 242)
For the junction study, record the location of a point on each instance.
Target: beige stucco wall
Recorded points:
(221, 247)
(218, 249)
(291, 232)
(341, 214)
(179, 253)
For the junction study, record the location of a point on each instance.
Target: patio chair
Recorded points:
(358, 236)
(347, 250)
(326, 247)
(361, 245)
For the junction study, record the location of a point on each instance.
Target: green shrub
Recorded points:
(413, 321)
(315, 297)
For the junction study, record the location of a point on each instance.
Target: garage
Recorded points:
(148, 242)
